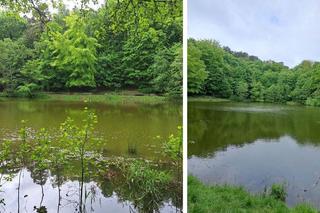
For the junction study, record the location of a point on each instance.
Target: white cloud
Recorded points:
(281, 30)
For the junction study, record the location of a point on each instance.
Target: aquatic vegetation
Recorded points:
(278, 192)
(79, 139)
(173, 146)
(132, 149)
(73, 153)
(145, 183)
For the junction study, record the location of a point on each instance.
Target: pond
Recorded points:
(255, 145)
(125, 131)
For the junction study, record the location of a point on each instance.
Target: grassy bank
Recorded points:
(217, 100)
(107, 98)
(125, 97)
(221, 199)
(207, 99)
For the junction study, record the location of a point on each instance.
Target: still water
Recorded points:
(256, 145)
(120, 125)
(142, 127)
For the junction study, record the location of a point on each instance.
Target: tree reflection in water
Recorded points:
(66, 173)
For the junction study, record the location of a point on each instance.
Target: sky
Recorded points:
(281, 30)
(71, 3)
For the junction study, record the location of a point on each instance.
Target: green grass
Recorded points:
(107, 98)
(125, 97)
(231, 199)
(217, 100)
(207, 99)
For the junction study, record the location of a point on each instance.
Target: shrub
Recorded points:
(278, 191)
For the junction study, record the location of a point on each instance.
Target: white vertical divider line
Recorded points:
(185, 107)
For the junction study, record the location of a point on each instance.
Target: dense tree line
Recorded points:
(124, 44)
(217, 71)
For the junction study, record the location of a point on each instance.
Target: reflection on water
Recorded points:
(31, 196)
(121, 125)
(65, 198)
(26, 186)
(256, 146)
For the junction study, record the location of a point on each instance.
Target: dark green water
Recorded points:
(120, 127)
(256, 145)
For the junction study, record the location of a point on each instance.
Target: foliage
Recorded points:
(78, 141)
(79, 138)
(121, 45)
(173, 147)
(142, 175)
(26, 90)
(13, 56)
(196, 70)
(140, 40)
(12, 26)
(40, 9)
(167, 69)
(146, 184)
(41, 150)
(37, 151)
(31, 79)
(278, 191)
(74, 148)
(239, 76)
(5, 153)
(226, 198)
(71, 55)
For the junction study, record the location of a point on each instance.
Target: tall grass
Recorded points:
(108, 98)
(221, 199)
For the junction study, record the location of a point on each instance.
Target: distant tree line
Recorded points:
(217, 71)
(125, 44)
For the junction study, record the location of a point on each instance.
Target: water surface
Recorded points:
(121, 127)
(256, 145)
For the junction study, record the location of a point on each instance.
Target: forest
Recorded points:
(120, 45)
(90, 110)
(217, 71)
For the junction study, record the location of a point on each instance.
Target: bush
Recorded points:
(278, 192)
(313, 101)
(27, 90)
(173, 147)
(146, 178)
(146, 185)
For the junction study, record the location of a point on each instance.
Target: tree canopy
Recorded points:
(123, 44)
(218, 71)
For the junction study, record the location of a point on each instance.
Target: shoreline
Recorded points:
(123, 97)
(227, 198)
(220, 100)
